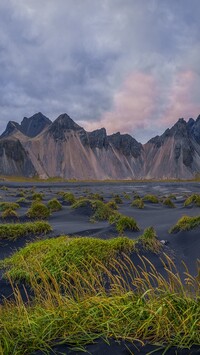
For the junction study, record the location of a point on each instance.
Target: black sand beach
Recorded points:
(182, 246)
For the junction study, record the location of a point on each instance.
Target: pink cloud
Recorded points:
(132, 105)
(182, 101)
(144, 103)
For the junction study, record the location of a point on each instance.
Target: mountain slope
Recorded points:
(63, 148)
(174, 154)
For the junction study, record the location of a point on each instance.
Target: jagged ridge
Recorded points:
(63, 148)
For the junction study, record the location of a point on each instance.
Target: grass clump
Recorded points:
(185, 223)
(112, 204)
(138, 202)
(9, 205)
(123, 223)
(95, 196)
(37, 196)
(102, 211)
(69, 197)
(81, 202)
(4, 188)
(16, 230)
(117, 199)
(54, 205)
(168, 202)
(151, 198)
(192, 200)
(64, 255)
(126, 196)
(167, 313)
(38, 210)
(22, 200)
(9, 213)
(149, 240)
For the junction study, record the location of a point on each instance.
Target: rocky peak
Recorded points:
(61, 125)
(180, 128)
(34, 125)
(11, 127)
(98, 138)
(195, 130)
(126, 144)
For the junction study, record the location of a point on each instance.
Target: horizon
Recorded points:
(125, 65)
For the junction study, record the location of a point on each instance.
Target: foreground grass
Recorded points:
(63, 254)
(185, 223)
(78, 310)
(16, 230)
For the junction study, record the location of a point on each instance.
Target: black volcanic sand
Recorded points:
(181, 246)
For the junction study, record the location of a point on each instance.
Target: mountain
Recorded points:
(30, 127)
(63, 148)
(176, 153)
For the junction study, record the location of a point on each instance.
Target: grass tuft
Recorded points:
(138, 202)
(185, 223)
(38, 210)
(151, 198)
(168, 202)
(192, 200)
(167, 313)
(16, 230)
(123, 223)
(9, 205)
(64, 254)
(150, 241)
(54, 205)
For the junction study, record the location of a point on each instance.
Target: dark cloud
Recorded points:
(81, 57)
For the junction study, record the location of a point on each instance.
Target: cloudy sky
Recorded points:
(128, 65)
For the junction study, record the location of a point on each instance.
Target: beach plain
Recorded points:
(79, 221)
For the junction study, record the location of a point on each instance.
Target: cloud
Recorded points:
(133, 104)
(182, 98)
(99, 60)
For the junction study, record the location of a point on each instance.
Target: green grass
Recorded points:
(138, 202)
(123, 223)
(107, 212)
(168, 202)
(54, 205)
(16, 230)
(151, 198)
(149, 240)
(185, 223)
(117, 199)
(192, 200)
(8, 213)
(38, 210)
(101, 211)
(112, 204)
(22, 200)
(64, 254)
(167, 314)
(95, 196)
(37, 196)
(126, 196)
(69, 197)
(9, 205)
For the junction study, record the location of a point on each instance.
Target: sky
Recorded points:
(127, 65)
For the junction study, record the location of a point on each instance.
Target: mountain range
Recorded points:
(62, 148)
